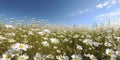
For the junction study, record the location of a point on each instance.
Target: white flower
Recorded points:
(8, 26)
(50, 56)
(65, 40)
(41, 33)
(23, 57)
(2, 38)
(62, 36)
(86, 55)
(118, 38)
(55, 47)
(54, 40)
(62, 57)
(35, 29)
(58, 51)
(76, 57)
(117, 53)
(46, 31)
(11, 40)
(59, 57)
(88, 36)
(45, 38)
(107, 44)
(96, 44)
(76, 36)
(14, 52)
(25, 36)
(38, 56)
(79, 47)
(92, 57)
(6, 56)
(110, 53)
(66, 57)
(20, 46)
(11, 34)
(45, 43)
(30, 33)
(82, 36)
(88, 41)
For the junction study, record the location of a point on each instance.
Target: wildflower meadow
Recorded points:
(54, 42)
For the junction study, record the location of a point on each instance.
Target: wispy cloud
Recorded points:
(76, 13)
(115, 15)
(79, 12)
(108, 3)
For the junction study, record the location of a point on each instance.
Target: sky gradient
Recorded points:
(68, 12)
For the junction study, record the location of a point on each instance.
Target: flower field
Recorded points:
(51, 42)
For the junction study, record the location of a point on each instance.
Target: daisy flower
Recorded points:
(6, 56)
(76, 36)
(62, 57)
(11, 34)
(30, 33)
(50, 56)
(54, 40)
(92, 57)
(59, 57)
(20, 46)
(22, 57)
(2, 38)
(46, 31)
(107, 44)
(76, 57)
(110, 52)
(11, 40)
(66, 57)
(14, 52)
(45, 43)
(8, 26)
(38, 56)
(117, 53)
(41, 33)
(79, 47)
(88, 41)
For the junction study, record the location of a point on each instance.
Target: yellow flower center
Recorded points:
(7, 56)
(110, 53)
(93, 58)
(37, 58)
(76, 58)
(22, 58)
(21, 46)
(54, 41)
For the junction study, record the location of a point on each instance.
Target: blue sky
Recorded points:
(68, 12)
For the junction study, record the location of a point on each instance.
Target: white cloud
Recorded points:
(115, 15)
(79, 12)
(108, 3)
(76, 13)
